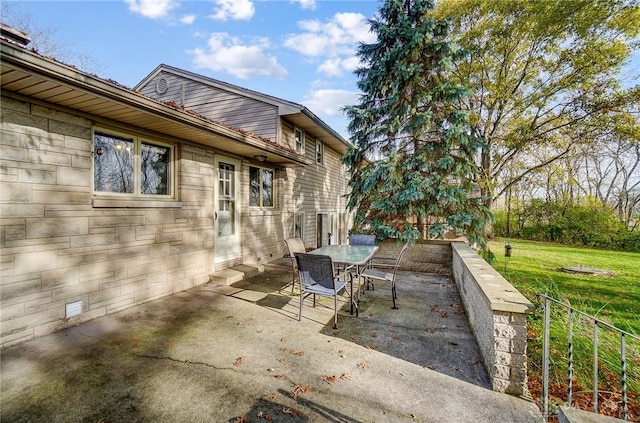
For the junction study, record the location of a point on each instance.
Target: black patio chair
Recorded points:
(362, 239)
(381, 269)
(317, 277)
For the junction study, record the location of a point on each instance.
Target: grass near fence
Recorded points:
(534, 268)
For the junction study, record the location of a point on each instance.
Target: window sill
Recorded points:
(256, 211)
(133, 204)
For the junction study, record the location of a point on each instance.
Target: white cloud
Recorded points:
(233, 9)
(330, 102)
(226, 53)
(335, 39)
(152, 9)
(188, 19)
(337, 66)
(306, 4)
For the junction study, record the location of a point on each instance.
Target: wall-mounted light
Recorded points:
(260, 157)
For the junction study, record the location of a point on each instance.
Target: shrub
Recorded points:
(590, 223)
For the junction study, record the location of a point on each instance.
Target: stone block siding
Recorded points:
(56, 247)
(59, 244)
(498, 317)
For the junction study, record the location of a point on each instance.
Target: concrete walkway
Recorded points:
(238, 353)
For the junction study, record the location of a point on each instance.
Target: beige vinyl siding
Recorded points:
(313, 188)
(287, 137)
(220, 105)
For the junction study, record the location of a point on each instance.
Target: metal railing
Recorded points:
(597, 324)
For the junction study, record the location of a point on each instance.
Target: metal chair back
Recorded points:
(362, 239)
(295, 246)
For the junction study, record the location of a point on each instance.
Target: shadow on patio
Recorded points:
(237, 353)
(429, 328)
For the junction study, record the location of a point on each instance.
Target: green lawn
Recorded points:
(533, 268)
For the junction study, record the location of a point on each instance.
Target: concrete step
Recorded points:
(235, 274)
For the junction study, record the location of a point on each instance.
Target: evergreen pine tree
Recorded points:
(413, 154)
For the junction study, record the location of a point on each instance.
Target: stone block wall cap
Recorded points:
(505, 305)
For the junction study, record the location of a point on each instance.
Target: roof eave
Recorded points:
(46, 68)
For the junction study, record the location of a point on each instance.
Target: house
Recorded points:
(111, 197)
(313, 203)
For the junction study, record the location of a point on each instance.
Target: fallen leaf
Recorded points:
(301, 389)
(290, 412)
(329, 379)
(265, 416)
(292, 352)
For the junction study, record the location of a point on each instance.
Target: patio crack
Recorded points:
(176, 360)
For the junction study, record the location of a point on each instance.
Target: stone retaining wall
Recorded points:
(423, 257)
(497, 313)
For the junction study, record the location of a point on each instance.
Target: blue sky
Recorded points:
(301, 50)
(298, 50)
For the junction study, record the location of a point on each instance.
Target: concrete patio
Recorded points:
(237, 353)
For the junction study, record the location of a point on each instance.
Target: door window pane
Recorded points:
(226, 220)
(226, 200)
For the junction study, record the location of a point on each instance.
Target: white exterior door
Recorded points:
(227, 210)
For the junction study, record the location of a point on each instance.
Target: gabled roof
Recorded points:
(35, 77)
(295, 113)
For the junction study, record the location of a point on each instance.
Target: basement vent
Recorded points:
(74, 308)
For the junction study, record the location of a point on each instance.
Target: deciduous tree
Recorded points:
(541, 73)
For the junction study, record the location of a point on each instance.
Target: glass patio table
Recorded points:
(348, 255)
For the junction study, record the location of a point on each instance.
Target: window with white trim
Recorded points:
(299, 136)
(319, 152)
(132, 166)
(261, 183)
